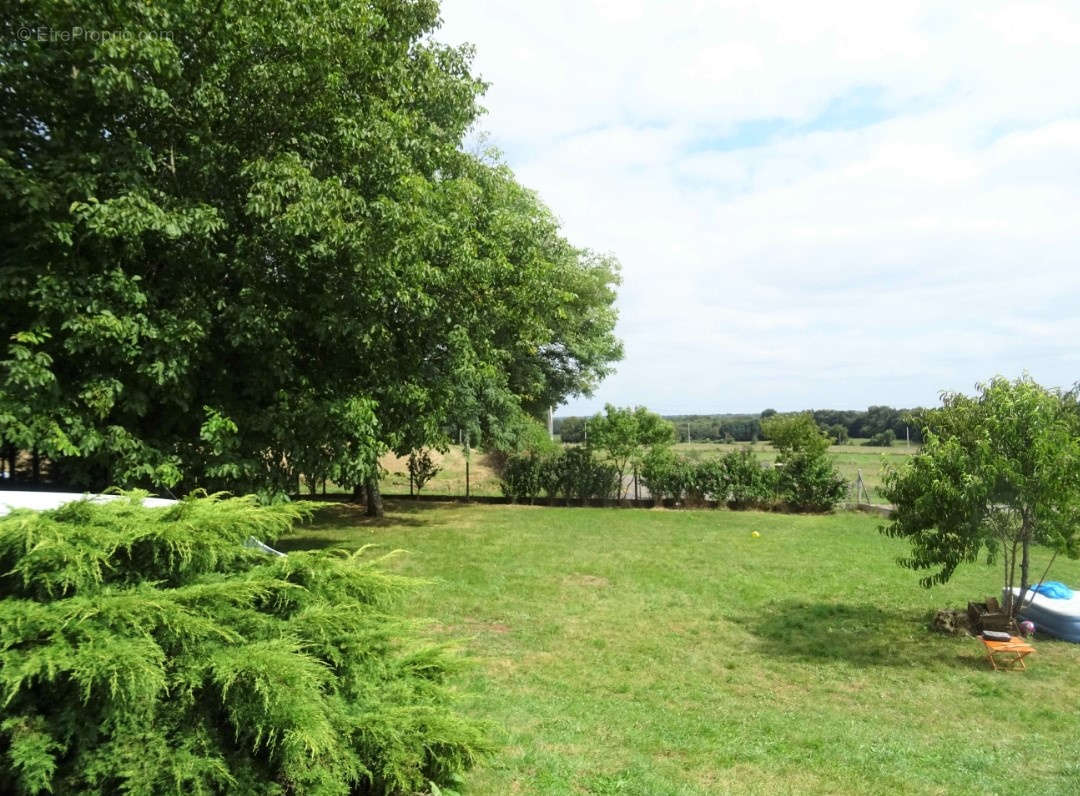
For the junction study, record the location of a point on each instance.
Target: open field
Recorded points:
(669, 652)
(849, 459)
(451, 477)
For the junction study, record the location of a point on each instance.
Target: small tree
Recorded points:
(808, 480)
(883, 439)
(422, 468)
(625, 434)
(796, 434)
(996, 473)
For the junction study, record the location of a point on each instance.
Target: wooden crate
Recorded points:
(989, 615)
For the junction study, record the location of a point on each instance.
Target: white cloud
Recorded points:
(828, 204)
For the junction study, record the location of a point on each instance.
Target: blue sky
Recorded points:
(818, 205)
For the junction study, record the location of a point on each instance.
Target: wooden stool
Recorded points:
(1007, 654)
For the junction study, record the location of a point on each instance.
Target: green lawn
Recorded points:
(670, 652)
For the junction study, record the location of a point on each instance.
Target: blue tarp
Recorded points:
(1054, 590)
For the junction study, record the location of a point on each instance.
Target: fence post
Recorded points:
(468, 456)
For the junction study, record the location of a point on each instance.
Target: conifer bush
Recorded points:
(148, 651)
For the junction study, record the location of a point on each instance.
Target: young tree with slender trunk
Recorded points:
(997, 473)
(625, 435)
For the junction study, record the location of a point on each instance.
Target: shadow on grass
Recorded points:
(336, 524)
(862, 634)
(397, 513)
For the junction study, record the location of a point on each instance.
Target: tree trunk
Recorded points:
(374, 497)
(358, 493)
(1012, 572)
(1025, 563)
(1008, 580)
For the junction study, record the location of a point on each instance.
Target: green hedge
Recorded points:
(738, 479)
(569, 474)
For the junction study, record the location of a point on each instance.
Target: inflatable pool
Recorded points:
(41, 501)
(1059, 618)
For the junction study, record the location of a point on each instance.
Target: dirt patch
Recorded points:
(594, 581)
(953, 623)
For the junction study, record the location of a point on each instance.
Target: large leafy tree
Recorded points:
(997, 473)
(242, 241)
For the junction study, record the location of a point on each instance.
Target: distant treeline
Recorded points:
(841, 424)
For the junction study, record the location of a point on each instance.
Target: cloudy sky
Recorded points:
(826, 205)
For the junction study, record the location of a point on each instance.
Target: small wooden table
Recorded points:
(1007, 654)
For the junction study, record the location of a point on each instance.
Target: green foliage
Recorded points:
(795, 434)
(810, 483)
(717, 428)
(422, 468)
(522, 476)
(997, 472)
(749, 484)
(255, 250)
(840, 425)
(625, 434)
(883, 439)
(807, 478)
(585, 478)
(707, 480)
(519, 434)
(665, 473)
(570, 429)
(739, 480)
(150, 651)
(572, 473)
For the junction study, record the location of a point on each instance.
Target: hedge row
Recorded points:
(570, 474)
(802, 482)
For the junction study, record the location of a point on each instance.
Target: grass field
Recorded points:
(849, 460)
(670, 652)
(450, 479)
